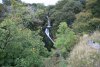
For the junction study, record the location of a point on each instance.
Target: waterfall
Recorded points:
(49, 25)
(48, 29)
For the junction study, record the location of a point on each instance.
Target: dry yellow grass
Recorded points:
(84, 55)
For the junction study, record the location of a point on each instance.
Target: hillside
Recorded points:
(82, 54)
(66, 34)
(85, 55)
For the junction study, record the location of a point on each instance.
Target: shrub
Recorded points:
(66, 38)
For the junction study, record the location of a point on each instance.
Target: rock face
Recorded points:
(94, 44)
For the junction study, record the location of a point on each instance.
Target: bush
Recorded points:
(81, 23)
(66, 38)
(86, 23)
(20, 47)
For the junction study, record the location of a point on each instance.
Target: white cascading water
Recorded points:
(47, 30)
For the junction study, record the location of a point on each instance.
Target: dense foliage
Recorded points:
(19, 46)
(66, 39)
(22, 30)
(87, 21)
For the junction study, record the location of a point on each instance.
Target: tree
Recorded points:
(8, 2)
(96, 8)
(88, 20)
(81, 24)
(19, 46)
(1, 10)
(65, 10)
(66, 39)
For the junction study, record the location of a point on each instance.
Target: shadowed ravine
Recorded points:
(47, 30)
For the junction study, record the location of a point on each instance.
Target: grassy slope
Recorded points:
(84, 55)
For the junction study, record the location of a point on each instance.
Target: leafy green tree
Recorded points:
(6, 2)
(81, 23)
(86, 21)
(96, 8)
(1, 10)
(60, 4)
(66, 39)
(70, 9)
(94, 24)
(19, 46)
